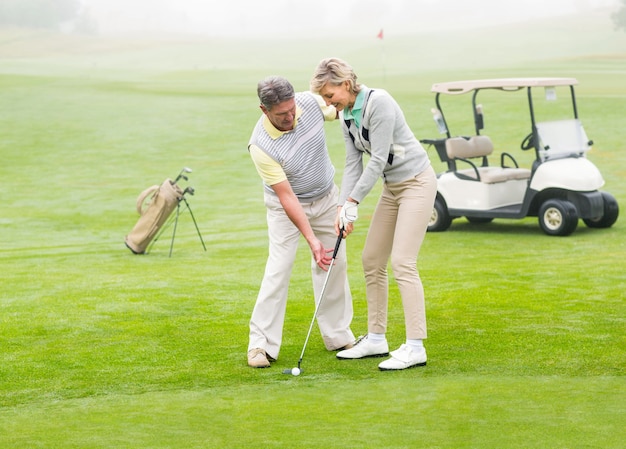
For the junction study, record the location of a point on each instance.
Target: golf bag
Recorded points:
(153, 214)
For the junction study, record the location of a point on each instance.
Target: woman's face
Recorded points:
(338, 95)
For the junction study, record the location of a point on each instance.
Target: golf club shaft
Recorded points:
(319, 303)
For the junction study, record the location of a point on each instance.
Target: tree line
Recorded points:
(38, 13)
(619, 17)
(53, 13)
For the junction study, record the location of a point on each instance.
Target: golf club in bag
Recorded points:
(155, 205)
(296, 371)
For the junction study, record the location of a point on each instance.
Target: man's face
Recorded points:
(282, 115)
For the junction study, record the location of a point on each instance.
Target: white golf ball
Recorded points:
(295, 371)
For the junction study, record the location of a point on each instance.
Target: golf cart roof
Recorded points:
(462, 87)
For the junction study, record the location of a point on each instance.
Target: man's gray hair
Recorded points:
(274, 90)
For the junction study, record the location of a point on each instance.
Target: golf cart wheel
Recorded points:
(558, 217)
(611, 212)
(479, 220)
(440, 219)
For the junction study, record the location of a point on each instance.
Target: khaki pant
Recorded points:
(335, 314)
(397, 231)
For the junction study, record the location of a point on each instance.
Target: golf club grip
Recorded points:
(339, 239)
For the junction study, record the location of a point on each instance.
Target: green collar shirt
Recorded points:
(356, 113)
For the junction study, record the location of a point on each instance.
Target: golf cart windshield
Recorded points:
(562, 138)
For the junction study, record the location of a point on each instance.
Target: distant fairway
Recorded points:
(103, 349)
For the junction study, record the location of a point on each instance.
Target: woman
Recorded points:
(373, 123)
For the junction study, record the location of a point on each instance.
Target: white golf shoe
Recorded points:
(404, 358)
(363, 348)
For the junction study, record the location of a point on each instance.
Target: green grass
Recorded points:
(100, 348)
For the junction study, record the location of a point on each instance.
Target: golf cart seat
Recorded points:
(463, 149)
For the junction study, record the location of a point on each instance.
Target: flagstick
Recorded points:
(382, 55)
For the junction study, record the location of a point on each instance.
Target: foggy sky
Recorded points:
(298, 18)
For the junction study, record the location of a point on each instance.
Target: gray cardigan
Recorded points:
(395, 153)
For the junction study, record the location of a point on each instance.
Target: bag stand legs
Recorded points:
(182, 199)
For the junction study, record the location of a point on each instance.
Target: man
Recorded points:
(288, 147)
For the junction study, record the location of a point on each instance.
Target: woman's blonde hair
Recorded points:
(334, 71)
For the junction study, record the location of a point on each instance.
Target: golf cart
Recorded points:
(559, 185)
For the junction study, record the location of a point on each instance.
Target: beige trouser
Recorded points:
(335, 313)
(397, 230)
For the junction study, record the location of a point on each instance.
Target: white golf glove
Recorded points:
(349, 214)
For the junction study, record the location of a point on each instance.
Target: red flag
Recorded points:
(380, 34)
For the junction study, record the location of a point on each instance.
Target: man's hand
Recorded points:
(321, 255)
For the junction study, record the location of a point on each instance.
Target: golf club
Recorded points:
(296, 371)
(181, 175)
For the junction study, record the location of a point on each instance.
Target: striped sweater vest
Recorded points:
(302, 152)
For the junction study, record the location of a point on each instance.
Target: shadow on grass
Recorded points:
(512, 227)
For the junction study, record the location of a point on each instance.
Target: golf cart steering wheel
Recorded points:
(527, 143)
